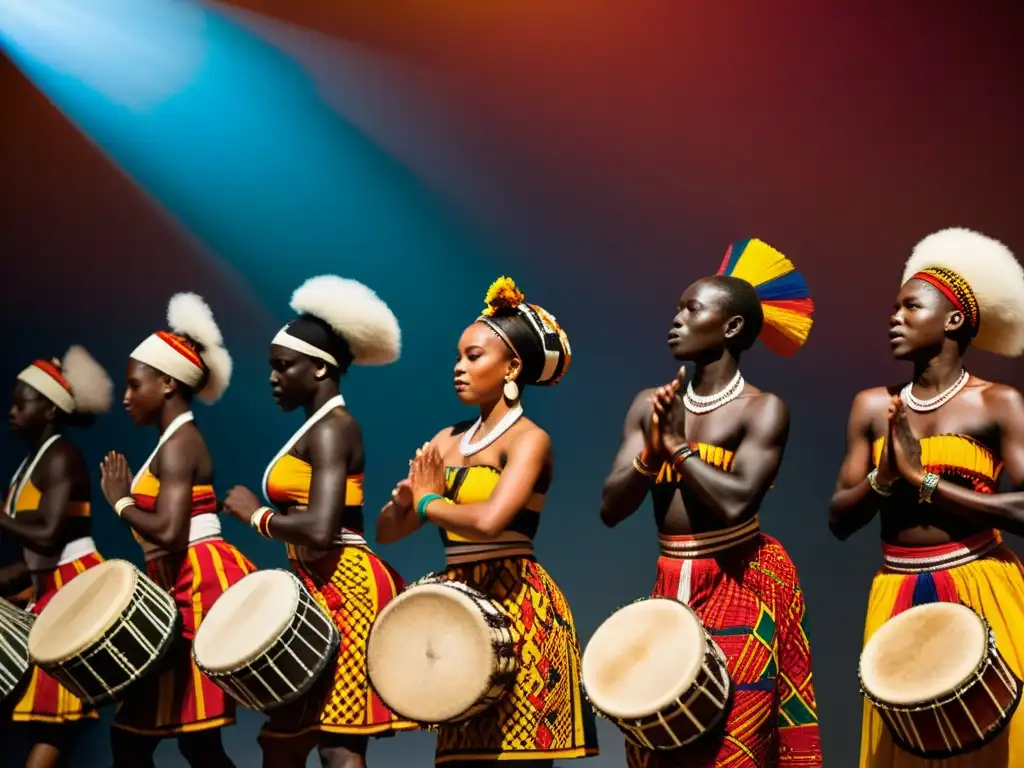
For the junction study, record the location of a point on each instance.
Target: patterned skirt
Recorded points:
(545, 715)
(177, 698)
(985, 576)
(44, 699)
(749, 599)
(352, 585)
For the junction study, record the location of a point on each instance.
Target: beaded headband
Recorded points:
(954, 288)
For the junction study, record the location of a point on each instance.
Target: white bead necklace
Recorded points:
(924, 406)
(468, 448)
(695, 403)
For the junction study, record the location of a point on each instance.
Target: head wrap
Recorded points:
(981, 278)
(341, 321)
(529, 331)
(785, 298)
(76, 384)
(192, 352)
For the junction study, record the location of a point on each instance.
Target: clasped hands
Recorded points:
(426, 477)
(901, 451)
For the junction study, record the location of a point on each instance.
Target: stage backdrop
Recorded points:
(601, 153)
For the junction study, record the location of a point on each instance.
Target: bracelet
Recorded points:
(123, 503)
(260, 520)
(928, 486)
(421, 505)
(643, 469)
(681, 455)
(877, 487)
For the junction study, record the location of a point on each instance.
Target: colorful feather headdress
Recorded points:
(785, 298)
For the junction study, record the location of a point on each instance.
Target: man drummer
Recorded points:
(708, 455)
(926, 458)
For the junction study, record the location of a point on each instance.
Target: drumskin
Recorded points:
(545, 715)
(980, 573)
(177, 698)
(352, 585)
(45, 700)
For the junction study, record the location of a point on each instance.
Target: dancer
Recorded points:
(48, 510)
(171, 508)
(928, 456)
(315, 483)
(483, 485)
(708, 458)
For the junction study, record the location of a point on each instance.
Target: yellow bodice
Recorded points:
(955, 456)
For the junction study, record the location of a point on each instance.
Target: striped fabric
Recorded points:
(178, 698)
(45, 700)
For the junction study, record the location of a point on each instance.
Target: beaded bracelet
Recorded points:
(260, 520)
(122, 504)
(681, 455)
(928, 486)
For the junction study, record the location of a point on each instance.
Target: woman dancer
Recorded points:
(172, 510)
(48, 510)
(483, 486)
(315, 483)
(928, 456)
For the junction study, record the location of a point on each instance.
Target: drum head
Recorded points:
(430, 655)
(82, 610)
(643, 657)
(922, 654)
(246, 620)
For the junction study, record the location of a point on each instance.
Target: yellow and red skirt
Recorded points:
(178, 698)
(352, 584)
(744, 588)
(545, 715)
(979, 572)
(45, 700)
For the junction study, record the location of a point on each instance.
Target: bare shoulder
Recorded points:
(339, 424)
(765, 409)
(874, 399)
(62, 460)
(1001, 398)
(527, 434)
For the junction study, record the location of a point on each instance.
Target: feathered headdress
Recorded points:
(785, 299)
(78, 384)
(982, 278)
(352, 312)
(192, 350)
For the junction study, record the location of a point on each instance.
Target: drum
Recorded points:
(654, 671)
(266, 641)
(440, 653)
(102, 631)
(15, 625)
(937, 679)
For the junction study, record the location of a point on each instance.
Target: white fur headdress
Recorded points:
(353, 312)
(189, 317)
(995, 278)
(76, 384)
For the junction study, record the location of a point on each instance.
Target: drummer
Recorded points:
(483, 485)
(927, 456)
(47, 509)
(315, 484)
(708, 453)
(171, 508)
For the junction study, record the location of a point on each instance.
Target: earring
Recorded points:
(511, 390)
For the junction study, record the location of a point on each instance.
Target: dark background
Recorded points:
(601, 153)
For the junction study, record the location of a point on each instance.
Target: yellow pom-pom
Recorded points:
(503, 294)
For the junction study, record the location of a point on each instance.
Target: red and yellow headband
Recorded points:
(46, 378)
(954, 288)
(172, 355)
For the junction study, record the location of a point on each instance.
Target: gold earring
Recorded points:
(511, 390)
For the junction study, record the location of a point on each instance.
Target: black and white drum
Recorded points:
(15, 625)
(441, 652)
(104, 630)
(266, 641)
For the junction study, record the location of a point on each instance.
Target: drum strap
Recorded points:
(335, 402)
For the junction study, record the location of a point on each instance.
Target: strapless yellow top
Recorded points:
(472, 485)
(952, 456)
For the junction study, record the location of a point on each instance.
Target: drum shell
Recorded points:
(291, 663)
(15, 626)
(950, 726)
(506, 664)
(135, 643)
(706, 701)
